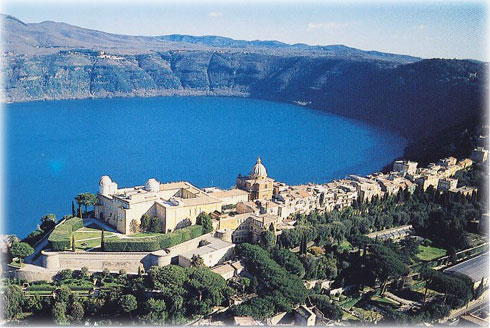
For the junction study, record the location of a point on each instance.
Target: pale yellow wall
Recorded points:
(135, 213)
(172, 215)
(233, 200)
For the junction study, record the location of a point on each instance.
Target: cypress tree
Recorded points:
(80, 212)
(73, 208)
(73, 242)
(303, 246)
(102, 243)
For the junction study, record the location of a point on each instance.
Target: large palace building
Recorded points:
(173, 203)
(257, 184)
(176, 203)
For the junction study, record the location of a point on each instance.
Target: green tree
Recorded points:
(21, 250)
(84, 271)
(64, 274)
(385, 264)
(48, 222)
(205, 221)
(245, 282)
(102, 241)
(289, 260)
(73, 212)
(63, 295)
(156, 225)
(322, 199)
(267, 239)
(34, 304)
(156, 311)
(303, 246)
(134, 227)
(77, 312)
(145, 223)
(169, 276)
(197, 261)
(128, 304)
(72, 242)
(322, 302)
(205, 289)
(13, 300)
(86, 199)
(59, 313)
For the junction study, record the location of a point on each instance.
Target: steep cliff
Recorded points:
(415, 97)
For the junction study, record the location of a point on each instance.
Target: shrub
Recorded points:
(153, 243)
(44, 287)
(75, 223)
(132, 245)
(60, 238)
(34, 237)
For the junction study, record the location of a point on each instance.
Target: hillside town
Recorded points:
(140, 230)
(263, 198)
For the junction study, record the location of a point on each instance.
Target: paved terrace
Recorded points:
(392, 233)
(475, 268)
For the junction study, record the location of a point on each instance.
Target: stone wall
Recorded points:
(114, 261)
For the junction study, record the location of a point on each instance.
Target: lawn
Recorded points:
(345, 245)
(385, 300)
(348, 316)
(350, 302)
(87, 232)
(427, 253)
(90, 243)
(16, 263)
(88, 229)
(144, 234)
(369, 315)
(475, 239)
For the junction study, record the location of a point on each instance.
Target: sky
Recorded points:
(441, 29)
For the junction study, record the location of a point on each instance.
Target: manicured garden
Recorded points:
(428, 253)
(61, 237)
(153, 243)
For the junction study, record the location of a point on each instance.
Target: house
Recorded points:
(214, 251)
(246, 321)
(304, 316)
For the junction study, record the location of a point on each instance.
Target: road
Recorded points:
(471, 306)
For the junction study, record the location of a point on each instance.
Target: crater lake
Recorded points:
(55, 150)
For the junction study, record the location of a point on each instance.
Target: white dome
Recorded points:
(105, 181)
(258, 170)
(152, 185)
(106, 186)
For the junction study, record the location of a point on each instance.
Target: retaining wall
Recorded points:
(115, 261)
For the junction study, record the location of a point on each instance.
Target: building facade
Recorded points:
(175, 204)
(257, 183)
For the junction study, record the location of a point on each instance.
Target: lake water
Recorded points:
(57, 149)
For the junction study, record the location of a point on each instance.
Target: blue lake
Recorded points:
(57, 149)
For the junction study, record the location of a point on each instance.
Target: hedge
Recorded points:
(39, 288)
(75, 223)
(154, 243)
(60, 238)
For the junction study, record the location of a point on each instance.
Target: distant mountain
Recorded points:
(49, 37)
(416, 97)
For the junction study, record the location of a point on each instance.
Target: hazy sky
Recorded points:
(436, 29)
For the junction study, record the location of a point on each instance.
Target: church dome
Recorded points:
(258, 170)
(105, 181)
(152, 185)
